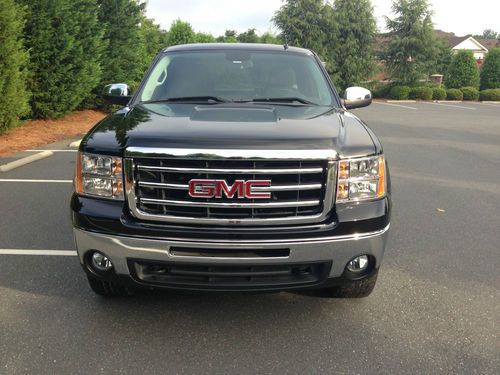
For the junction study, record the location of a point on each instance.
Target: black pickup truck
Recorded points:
(233, 167)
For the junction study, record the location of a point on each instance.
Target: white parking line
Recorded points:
(62, 253)
(451, 105)
(36, 181)
(396, 105)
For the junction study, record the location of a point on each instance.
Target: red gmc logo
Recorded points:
(219, 188)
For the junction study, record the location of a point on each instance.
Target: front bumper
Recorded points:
(334, 252)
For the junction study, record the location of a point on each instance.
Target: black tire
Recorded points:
(108, 288)
(355, 289)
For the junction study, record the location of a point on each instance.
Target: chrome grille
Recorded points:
(301, 190)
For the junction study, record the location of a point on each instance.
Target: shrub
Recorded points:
(490, 95)
(438, 94)
(454, 94)
(463, 71)
(399, 92)
(470, 93)
(13, 58)
(382, 91)
(490, 72)
(422, 93)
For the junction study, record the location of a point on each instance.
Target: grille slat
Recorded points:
(162, 202)
(229, 170)
(300, 191)
(256, 188)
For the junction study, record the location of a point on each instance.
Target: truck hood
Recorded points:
(230, 126)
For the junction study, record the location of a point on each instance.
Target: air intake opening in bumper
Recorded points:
(229, 253)
(227, 277)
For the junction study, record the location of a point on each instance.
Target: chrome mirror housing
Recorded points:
(117, 93)
(357, 97)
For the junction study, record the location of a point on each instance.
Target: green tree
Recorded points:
(413, 49)
(353, 43)
(152, 39)
(249, 36)
(125, 54)
(269, 38)
(307, 24)
(204, 38)
(180, 33)
(64, 40)
(488, 34)
(462, 71)
(443, 57)
(490, 72)
(13, 59)
(228, 37)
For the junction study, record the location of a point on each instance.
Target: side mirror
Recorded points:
(357, 97)
(117, 93)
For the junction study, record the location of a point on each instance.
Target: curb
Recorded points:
(490, 102)
(28, 159)
(401, 101)
(75, 144)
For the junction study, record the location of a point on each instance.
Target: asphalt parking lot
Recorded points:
(436, 307)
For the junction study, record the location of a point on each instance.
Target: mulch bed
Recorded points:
(36, 133)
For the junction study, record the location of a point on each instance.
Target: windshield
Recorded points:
(238, 76)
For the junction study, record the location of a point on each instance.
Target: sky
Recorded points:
(215, 16)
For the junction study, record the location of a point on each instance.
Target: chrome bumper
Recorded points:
(339, 249)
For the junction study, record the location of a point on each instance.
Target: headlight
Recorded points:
(361, 179)
(99, 175)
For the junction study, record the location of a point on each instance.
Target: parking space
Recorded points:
(435, 308)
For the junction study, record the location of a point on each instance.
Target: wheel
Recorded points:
(108, 288)
(355, 289)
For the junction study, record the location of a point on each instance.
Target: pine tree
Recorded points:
(125, 54)
(13, 58)
(463, 71)
(490, 72)
(64, 40)
(413, 49)
(353, 43)
(307, 24)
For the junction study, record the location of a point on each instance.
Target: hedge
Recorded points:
(470, 93)
(490, 95)
(490, 72)
(422, 93)
(382, 91)
(13, 59)
(454, 94)
(399, 93)
(438, 94)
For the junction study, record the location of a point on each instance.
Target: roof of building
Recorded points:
(490, 43)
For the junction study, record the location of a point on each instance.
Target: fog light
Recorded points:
(358, 264)
(101, 262)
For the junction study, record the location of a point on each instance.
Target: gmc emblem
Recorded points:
(219, 188)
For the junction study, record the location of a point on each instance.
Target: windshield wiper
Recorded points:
(290, 100)
(210, 99)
